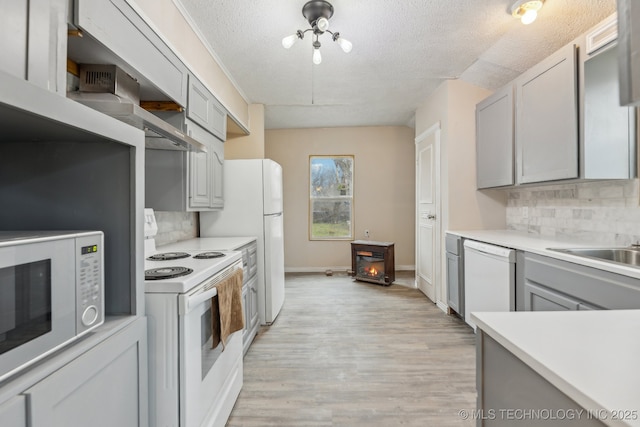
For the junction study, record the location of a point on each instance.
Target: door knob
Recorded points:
(431, 216)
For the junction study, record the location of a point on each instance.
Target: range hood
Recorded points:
(159, 134)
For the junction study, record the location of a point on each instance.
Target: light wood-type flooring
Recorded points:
(356, 354)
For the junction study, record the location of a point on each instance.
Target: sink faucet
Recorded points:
(636, 244)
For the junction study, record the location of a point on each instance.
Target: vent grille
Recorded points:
(101, 79)
(106, 78)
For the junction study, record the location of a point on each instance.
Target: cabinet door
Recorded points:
(14, 24)
(453, 291)
(245, 307)
(253, 299)
(609, 135)
(200, 169)
(13, 413)
(494, 140)
(547, 119)
(120, 29)
(105, 387)
(204, 109)
(217, 174)
(33, 41)
(538, 298)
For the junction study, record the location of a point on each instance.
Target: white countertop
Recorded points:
(539, 244)
(591, 356)
(208, 244)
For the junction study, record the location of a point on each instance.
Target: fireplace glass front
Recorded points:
(373, 262)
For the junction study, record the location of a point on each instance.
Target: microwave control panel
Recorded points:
(90, 282)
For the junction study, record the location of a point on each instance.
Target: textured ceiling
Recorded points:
(402, 51)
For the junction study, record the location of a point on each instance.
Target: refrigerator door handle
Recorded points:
(275, 214)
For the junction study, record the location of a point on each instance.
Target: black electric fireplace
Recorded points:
(373, 262)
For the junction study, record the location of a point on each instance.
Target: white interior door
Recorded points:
(427, 215)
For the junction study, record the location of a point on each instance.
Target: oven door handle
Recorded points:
(189, 302)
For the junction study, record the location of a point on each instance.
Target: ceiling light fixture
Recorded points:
(318, 13)
(526, 10)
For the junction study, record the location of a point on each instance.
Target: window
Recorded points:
(331, 197)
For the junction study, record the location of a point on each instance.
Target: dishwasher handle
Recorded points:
(491, 250)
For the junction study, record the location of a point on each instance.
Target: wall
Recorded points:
(252, 145)
(167, 20)
(461, 205)
(384, 190)
(606, 212)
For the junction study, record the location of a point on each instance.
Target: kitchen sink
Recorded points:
(627, 256)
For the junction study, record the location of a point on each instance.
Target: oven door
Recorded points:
(37, 301)
(210, 378)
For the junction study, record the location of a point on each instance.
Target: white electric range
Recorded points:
(191, 384)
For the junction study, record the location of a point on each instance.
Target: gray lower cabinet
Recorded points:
(455, 273)
(204, 109)
(551, 285)
(494, 140)
(114, 24)
(539, 298)
(505, 384)
(186, 181)
(105, 387)
(33, 42)
(250, 293)
(546, 130)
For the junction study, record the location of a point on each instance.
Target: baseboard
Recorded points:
(442, 306)
(340, 269)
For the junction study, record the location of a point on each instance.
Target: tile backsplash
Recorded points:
(607, 212)
(175, 226)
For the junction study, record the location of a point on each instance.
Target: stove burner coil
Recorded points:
(166, 273)
(168, 256)
(209, 255)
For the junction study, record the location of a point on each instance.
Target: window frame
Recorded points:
(346, 197)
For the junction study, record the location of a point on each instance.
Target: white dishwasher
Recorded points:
(489, 275)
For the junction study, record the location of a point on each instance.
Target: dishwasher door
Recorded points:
(489, 277)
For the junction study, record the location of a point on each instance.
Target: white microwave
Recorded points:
(51, 292)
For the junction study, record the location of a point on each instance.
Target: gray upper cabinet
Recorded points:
(494, 139)
(13, 413)
(217, 177)
(185, 181)
(33, 41)
(142, 53)
(608, 130)
(547, 119)
(199, 166)
(204, 109)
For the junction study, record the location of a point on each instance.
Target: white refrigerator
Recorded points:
(253, 207)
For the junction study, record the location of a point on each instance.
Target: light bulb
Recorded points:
(288, 41)
(322, 24)
(529, 16)
(346, 45)
(317, 57)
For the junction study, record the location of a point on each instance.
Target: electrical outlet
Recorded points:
(366, 233)
(525, 212)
